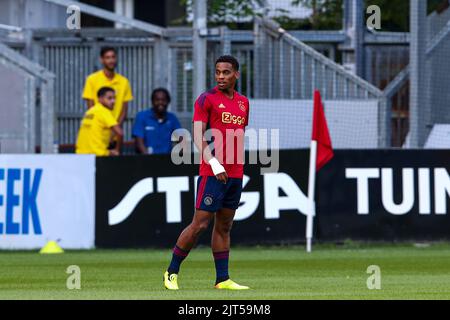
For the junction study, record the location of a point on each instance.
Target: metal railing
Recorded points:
(73, 59)
(397, 91)
(275, 64)
(289, 69)
(107, 15)
(39, 83)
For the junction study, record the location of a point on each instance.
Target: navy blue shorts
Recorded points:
(213, 195)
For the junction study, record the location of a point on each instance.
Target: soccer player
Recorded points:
(219, 187)
(108, 77)
(98, 125)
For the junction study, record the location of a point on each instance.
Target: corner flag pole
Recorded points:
(311, 195)
(321, 152)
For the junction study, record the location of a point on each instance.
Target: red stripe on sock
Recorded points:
(221, 255)
(177, 251)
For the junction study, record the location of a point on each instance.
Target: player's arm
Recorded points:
(118, 132)
(89, 103)
(89, 93)
(140, 144)
(203, 147)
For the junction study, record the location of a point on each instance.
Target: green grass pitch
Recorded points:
(330, 272)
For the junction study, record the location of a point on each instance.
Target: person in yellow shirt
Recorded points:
(98, 125)
(107, 77)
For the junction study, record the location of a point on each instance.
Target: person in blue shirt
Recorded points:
(153, 128)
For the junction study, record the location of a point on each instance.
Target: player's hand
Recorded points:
(218, 170)
(114, 153)
(222, 177)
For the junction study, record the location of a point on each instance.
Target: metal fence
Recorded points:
(289, 69)
(285, 68)
(27, 104)
(180, 68)
(397, 89)
(383, 63)
(72, 59)
(274, 64)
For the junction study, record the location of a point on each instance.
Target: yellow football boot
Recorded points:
(170, 282)
(230, 285)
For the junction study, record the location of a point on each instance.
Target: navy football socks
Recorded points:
(221, 262)
(177, 258)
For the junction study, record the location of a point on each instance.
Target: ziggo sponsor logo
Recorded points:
(230, 118)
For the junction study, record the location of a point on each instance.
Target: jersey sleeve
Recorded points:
(248, 113)
(138, 127)
(101, 152)
(88, 92)
(108, 120)
(202, 109)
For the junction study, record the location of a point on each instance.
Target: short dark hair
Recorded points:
(163, 90)
(104, 90)
(105, 50)
(229, 59)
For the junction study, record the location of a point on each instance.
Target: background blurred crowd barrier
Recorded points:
(80, 201)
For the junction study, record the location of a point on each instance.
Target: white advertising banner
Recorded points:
(47, 197)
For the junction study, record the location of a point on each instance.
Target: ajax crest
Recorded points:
(208, 201)
(242, 106)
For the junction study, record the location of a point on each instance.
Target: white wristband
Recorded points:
(216, 167)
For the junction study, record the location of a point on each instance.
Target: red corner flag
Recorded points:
(321, 134)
